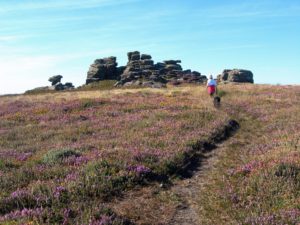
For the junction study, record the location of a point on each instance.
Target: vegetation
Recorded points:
(102, 85)
(257, 179)
(61, 152)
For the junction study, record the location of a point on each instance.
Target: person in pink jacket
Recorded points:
(211, 86)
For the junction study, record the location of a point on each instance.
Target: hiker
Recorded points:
(211, 86)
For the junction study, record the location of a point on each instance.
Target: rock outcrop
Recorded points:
(57, 85)
(142, 71)
(236, 75)
(104, 69)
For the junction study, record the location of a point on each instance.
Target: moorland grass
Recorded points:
(257, 179)
(60, 152)
(72, 149)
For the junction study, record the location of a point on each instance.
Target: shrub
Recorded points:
(102, 179)
(173, 165)
(39, 91)
(19, 200)
(8, 164)
(289, 171)
(58, 156)
(106, 215)
(101, 85)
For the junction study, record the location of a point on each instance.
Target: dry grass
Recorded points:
(257, 180)
(109, 141)
(59, 152)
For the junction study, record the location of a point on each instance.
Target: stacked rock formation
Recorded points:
(141, 70)
(104, 69)
(55, 79)
(57, 85)
(236, 75)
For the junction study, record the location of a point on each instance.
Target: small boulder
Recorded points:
(147, 62)
(145, 56)
(173, 67)
(129, 54)
(59, 87)
(172, 62)
(69, 85)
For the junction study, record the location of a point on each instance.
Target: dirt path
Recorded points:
(188, 190)
(178, 202)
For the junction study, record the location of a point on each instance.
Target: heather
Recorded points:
(91, 157)
(60, 153)
(258, 179)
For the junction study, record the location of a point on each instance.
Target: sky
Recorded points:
(42, 38)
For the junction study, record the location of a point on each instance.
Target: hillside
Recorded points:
(151, 156)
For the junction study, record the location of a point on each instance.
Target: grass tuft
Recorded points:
(57, 156)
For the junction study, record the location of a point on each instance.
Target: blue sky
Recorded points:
(41, 38)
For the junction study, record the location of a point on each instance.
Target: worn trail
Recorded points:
(188, 189)
(147, 203)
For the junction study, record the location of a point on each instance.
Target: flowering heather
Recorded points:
(69, 150)
(58, 191)
(87, 144)
(104, 220)
(13, 154)
(291, 216)
(258, 173)
(21, 214)
(139, 169)
(19, 193)
(76, 161)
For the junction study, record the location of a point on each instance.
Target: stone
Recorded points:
(145, 56)
(196, 73)
(141, 69)
(69, 85)
(55, 79)
(159, 66)
(129, 54)
(157, 79)
(128, 84)
(56, 85)
(147, 62)
(147, 67)
(147, 73)
(135, 57)
(137, 83)
(173, 67)
(172, 62)
(236, 75)
(103, 69)
(59, 87)
(187, 71)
